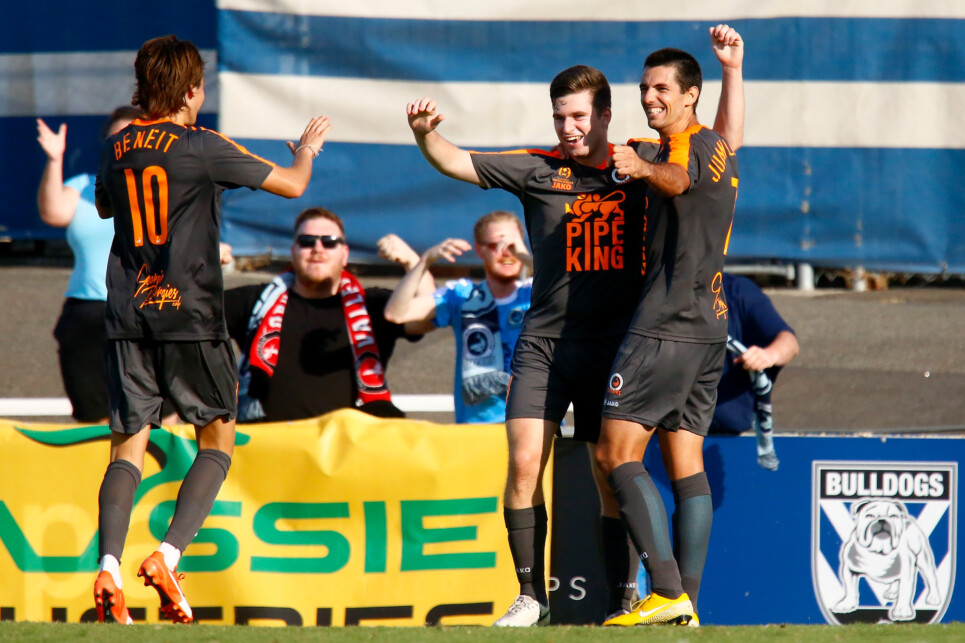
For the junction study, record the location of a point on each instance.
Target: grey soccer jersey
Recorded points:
(163, 183)
(584, 229)
(686, 239)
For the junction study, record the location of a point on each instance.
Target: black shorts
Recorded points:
(549, 374)
(82, 348)
(199, 378)
(664, 383)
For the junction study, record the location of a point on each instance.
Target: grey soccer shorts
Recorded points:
(200, 379)
(665, 383)
(550, 373)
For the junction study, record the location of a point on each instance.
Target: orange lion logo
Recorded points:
(587, 204)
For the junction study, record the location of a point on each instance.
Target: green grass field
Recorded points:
(231, 634)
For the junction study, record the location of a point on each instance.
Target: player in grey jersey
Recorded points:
(161, 180)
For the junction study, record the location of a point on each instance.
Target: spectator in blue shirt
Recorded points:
(771, 344)
(485, 317)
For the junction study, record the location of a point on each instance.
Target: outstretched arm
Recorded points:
(406, 305)
(729, 48)
(449, 159)
(292, 181)
(55, 202)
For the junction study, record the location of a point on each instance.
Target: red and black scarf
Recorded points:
(264, 331)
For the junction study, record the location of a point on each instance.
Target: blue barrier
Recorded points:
(887, 505)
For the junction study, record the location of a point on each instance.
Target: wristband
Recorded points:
(315, 152)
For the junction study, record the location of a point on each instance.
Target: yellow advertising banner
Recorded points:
(344, 519)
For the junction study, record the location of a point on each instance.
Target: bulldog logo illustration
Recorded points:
(887, 546)
(883, 540)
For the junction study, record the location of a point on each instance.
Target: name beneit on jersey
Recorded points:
(152, 139)
(594, 236)
(154, 293)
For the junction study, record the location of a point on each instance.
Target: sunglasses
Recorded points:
(329, 241)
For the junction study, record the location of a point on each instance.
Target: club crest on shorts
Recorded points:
(616, 384)
(883, 539)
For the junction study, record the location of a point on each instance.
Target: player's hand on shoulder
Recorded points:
(627, 162)
(728, 45)
(313, 138)
(225, 251)
(423, 117)
(52, 143)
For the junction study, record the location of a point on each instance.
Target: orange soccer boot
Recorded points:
(156, 574)
(110, 601)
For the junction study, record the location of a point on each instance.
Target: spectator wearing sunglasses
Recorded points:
(313, 340)
(485, 317)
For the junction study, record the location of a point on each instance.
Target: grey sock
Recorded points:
(646, 518)
(115, 501)
(196, 496)
(692, 518)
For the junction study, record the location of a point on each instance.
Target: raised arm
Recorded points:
(55, 201)
(447, 158)
(393, 248)
(729, 48)
(291, 182)
(406, 305)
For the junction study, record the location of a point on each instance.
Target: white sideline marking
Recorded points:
(51, 406)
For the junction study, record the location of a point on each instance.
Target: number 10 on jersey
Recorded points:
(157, 221)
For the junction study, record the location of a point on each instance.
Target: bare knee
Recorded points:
(219, 435)
(524, 468)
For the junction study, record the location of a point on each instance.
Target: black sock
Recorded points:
(646, 519)
(115, 503)
(527, 544)
(196, 496)
(620, 561)
(692, 517)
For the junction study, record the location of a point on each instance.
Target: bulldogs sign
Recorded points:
(883, 540)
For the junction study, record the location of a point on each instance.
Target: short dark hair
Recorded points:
(318, 213)
(686, 68)
(166, 69)
(122, 113)
(493, 217)
(582, 78)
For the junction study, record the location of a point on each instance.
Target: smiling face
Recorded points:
(581, 130)
(499, 263)
(668, 106)
(318, 269)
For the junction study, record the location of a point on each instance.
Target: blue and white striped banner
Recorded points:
(854, 132)
(73, 62)
(854, 135)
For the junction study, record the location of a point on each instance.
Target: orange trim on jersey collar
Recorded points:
(142, 122)
(553, 152)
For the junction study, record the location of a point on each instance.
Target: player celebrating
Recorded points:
(161, 180)
(584, 229)
(665, 375)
